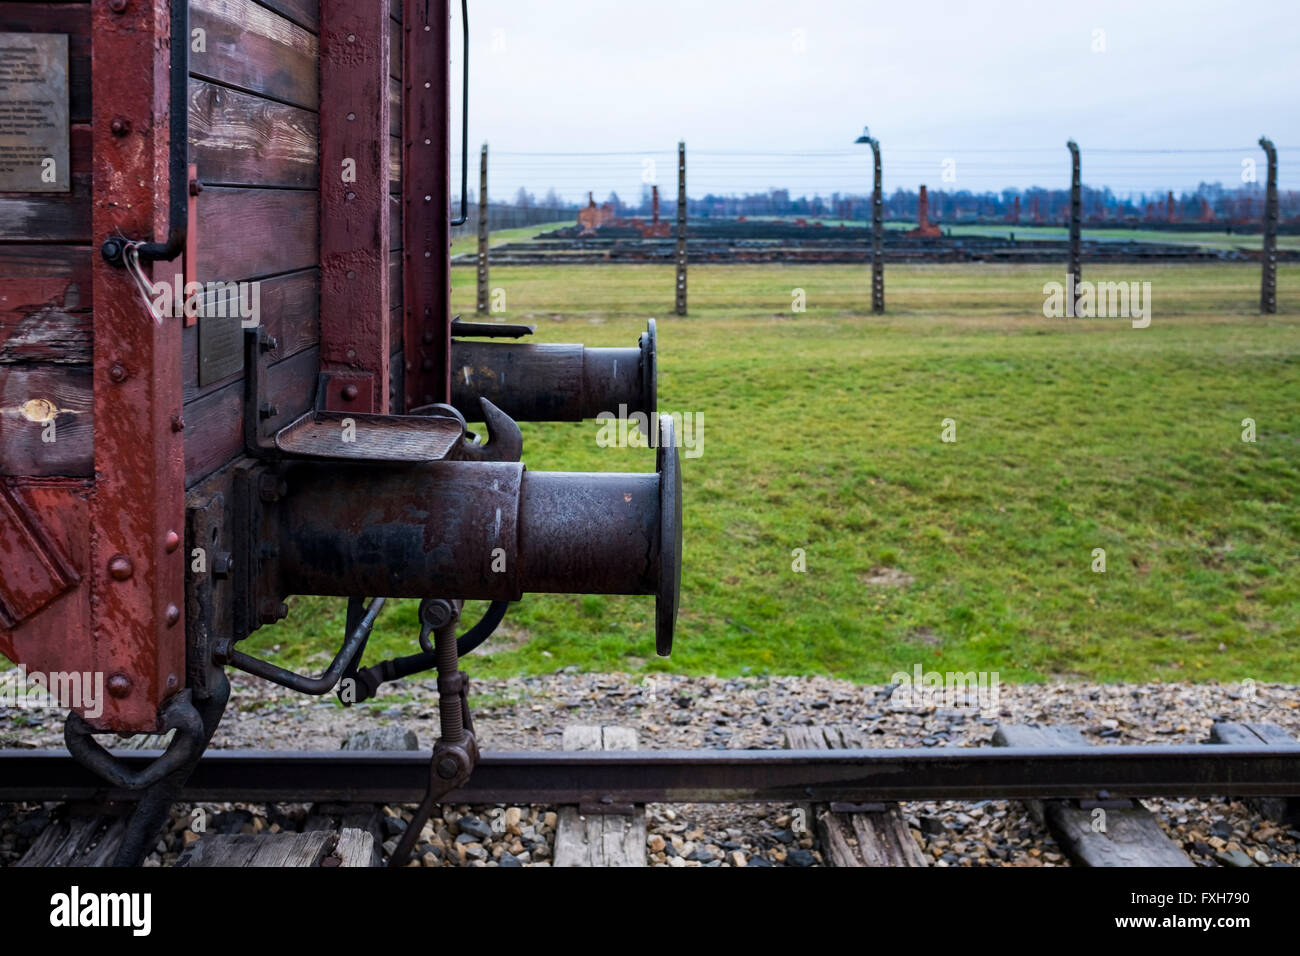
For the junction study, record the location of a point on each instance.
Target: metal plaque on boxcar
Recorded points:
(34, 113)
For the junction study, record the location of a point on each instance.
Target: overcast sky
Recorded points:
(997, 87)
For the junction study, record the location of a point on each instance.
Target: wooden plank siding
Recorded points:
(66, 389)
(45, 294)
(251, 48)
(255, 139)
(305, 13)
(290, 309)
(45, 282)
(218, 415)
(240, 139)
(252, 232)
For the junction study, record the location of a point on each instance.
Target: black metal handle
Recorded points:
(464, 123)
(114, 248)
(354, 642)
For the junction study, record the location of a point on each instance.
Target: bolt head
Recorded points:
(268, 488)
(273, 611)
(119, 686)
(120, 567)
(448, 767)
(436, 613)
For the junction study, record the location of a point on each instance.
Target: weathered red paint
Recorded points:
(426, 201)
(354, 200)
(33, 568)
(139, 490)
(350, 392)
(61, 506)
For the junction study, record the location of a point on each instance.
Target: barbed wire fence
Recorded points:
(1204, 189)
(510, 216)
(967, 184)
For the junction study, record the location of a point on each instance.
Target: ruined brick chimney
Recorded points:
(924, 227)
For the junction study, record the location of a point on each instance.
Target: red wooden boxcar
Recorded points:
(173, 464)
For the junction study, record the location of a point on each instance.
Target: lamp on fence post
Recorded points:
(877, 228)
(681, 228)
(1076, 217)
(1268, 280)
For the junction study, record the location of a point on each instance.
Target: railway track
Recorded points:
(850, 791)
(707, 776)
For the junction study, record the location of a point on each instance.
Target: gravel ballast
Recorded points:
(674, 712)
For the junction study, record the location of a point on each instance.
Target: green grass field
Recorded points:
(469, 243)
(1209, 239)
(822, 432)
(1027, 232)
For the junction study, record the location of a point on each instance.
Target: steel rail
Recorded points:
(702, 776)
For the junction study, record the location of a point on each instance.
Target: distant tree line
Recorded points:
(1209, 201)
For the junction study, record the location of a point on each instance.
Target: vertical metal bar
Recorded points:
(681, 228)
(483, 231)
(426, 229)
(191, 260)
(355, 207)
(138, 505)
(1268, 279)
(1076, 217)
(877, 237)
